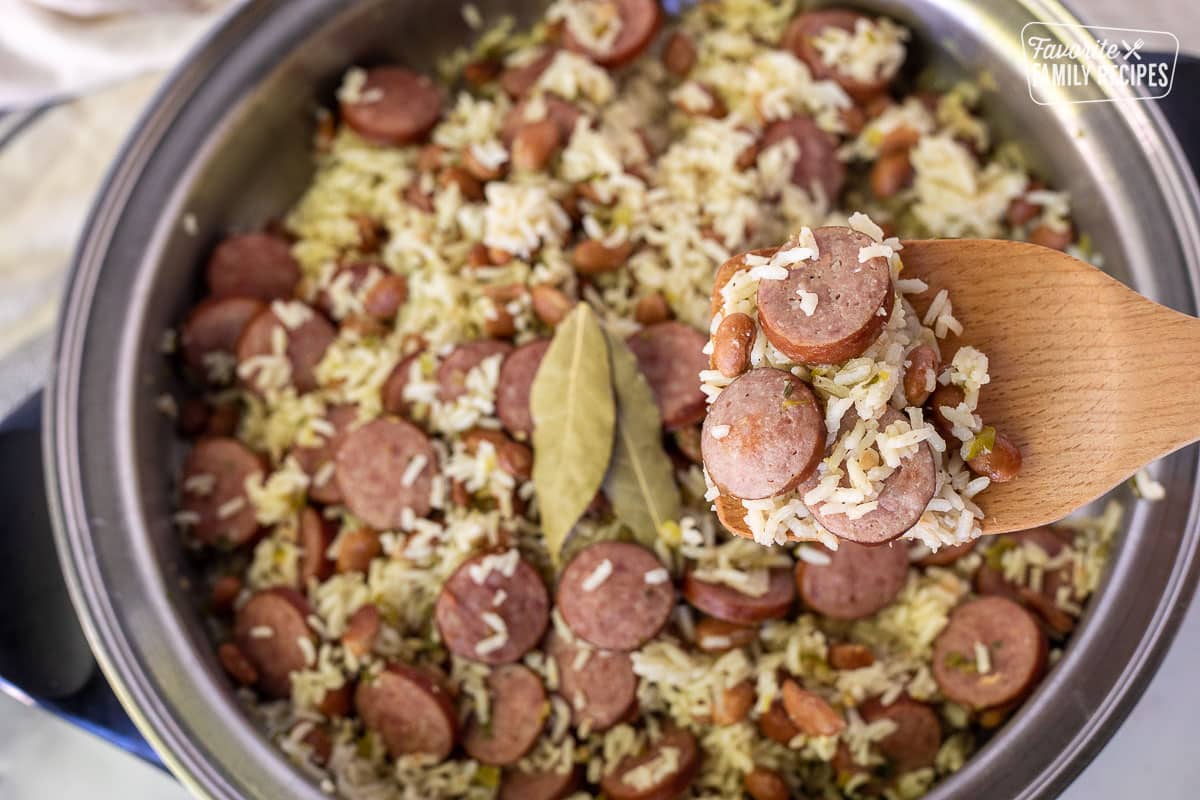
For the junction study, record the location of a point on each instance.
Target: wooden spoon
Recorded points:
(1090, 379)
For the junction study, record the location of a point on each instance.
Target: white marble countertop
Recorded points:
(1154, 754)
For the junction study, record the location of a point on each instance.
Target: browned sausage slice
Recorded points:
(318, 461)
(857, 581)
(854, 301)
(539, 785)
(385, 468)
(1016, 652)
(410, 710)
(518, 713)
(307, 337)
(612, 595)
(395, 106)
(213, 490)
(1043, 598)
(315, 535)
(452, 372)
(268, 630)
(214, 326)
(725, 602)
(763, 435)
(493, 609)
(902, 499)
(918, 735)
(600, 687)
(676, 746)
(516, 378)
(258, 265)
(818, 164)
(670, 355)
(799, 39)
(640, 21)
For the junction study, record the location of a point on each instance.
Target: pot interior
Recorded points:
(227, 146)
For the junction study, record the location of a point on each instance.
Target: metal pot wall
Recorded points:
(228, 141)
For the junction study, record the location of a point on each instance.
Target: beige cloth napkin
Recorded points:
(110, 55)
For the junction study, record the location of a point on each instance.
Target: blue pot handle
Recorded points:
(44, 657)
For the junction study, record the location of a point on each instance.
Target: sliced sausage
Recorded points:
(799, 38)
(1042, 598)
(640, 21)
(214, 326)
(518, 784)
(918, 735)
(518, 712)
(677, 745)
(809, 712)
(410, 711)
(857, 581)
(609, 595)
(1015, 646)
(517, 81)
(600, 687)
(258, 265)
(376, 472)
(730, 268)
(516, 379)
(725, 602)
(818, 164)
(493, 612)
(902, 499)
(854, 301)
(395, 106)
(315, 535)
(318, 461)
(452, 372)
(946, 555)
(392, 393)
(764, 434)
(670, 355)
(306, 345)
(268, 629)
(214, 491)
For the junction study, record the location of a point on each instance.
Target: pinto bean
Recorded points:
(1053, 238)
(468, 185)
(550, 305)
(356, 550)
(890, 174)
(849, 655)
(765, 784)
(534, 144)
(679, 54)
(384, 298)
(652, 308)
(1001, 463)
(731, 344)
(236, 664)
(479, 170)
(361, 630)
(592, 257)
(225, 592)
(733, 704)
(718, 636)
(810, 712)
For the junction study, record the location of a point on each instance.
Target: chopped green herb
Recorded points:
(487, 776)
(982, 443)
(788, 389)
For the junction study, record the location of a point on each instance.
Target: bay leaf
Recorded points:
(641, 479)
(574, 414)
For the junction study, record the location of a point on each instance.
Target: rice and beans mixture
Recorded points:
(382, 394)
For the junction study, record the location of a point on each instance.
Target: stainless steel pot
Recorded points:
(228, 141)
